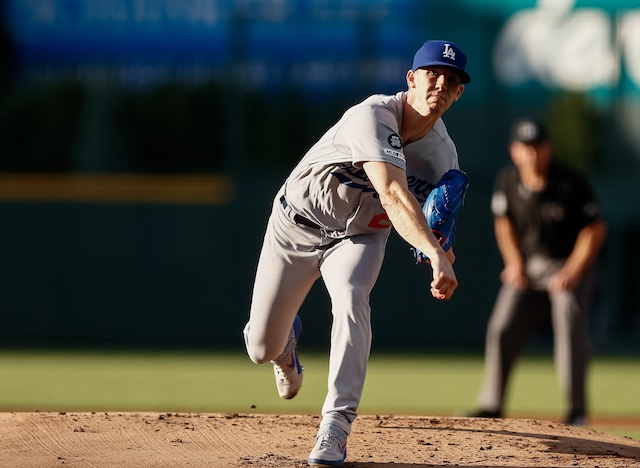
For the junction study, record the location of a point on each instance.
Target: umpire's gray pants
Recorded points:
(517, 315)
(290, 263)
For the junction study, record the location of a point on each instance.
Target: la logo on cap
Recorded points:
(449, 52)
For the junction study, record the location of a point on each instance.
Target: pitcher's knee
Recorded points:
(263, 347)
(261, 359)
(260, 352)
(256, 349)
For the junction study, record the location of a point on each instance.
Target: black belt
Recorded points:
(297, 218)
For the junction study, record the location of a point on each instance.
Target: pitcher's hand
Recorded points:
(444, 278)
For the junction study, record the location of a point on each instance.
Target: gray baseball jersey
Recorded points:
(329, 186)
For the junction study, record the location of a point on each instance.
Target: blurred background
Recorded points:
(142, 141)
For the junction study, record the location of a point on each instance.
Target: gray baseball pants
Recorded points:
(518, 314)
(293, 257)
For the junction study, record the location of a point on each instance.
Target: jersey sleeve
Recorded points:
(590, 208)
(371, 134)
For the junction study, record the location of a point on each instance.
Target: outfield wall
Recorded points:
(142, 142)
(176, 274)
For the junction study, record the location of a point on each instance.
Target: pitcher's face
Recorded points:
(434, 89)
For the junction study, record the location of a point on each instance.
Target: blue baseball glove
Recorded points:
(442, 207)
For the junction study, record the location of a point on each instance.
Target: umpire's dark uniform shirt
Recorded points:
(547, 222)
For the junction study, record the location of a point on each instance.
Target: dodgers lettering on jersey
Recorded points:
(329, 185)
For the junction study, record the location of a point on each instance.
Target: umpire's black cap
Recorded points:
(529, 130)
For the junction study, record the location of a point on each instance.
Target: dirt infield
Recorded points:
(43, 440)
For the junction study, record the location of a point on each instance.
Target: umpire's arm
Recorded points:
(583, 255)
(513, 273)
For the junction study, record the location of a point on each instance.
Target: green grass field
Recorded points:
(404, 384)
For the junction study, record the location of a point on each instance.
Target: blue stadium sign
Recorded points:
(314, 44)
(326, 44)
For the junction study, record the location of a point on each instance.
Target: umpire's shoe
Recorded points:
(286, 367)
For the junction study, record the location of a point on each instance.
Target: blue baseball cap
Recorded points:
(442, 53)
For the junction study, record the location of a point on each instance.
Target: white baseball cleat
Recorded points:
(287, 367)
(331, 446)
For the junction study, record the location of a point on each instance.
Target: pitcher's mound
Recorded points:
(36, 440)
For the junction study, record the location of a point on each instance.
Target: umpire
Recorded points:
(549, 230)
